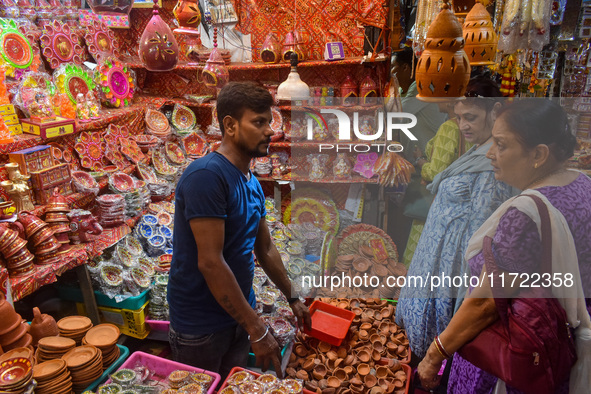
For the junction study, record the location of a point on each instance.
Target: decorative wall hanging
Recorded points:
(15, 48)
(116, 82)
(443, 70)
(101, 41)
(158, 49)
(215, 74)
(72, 79)
(60, 45)
(480, 37)
(91, 149)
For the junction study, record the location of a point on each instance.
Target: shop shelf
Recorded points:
(329, 323)
(124, 353)
(71, 293)
(238, 369)
(163, 367)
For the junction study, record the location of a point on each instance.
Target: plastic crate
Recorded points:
(124, 353)
(329, 323)
(158, 325)
(238, 369)
(71, 293)
(130, 322)
(163, 367)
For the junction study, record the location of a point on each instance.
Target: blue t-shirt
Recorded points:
(212, 187)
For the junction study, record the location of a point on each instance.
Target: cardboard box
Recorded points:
(42, 195)
(49, 129)
(15, 129)
(7, 109)
(50, 177)
(32, 159)
(10, 120)
(130, 322)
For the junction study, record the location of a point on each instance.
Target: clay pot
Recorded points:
(363, 369)
(187, 13)
(357, 311)
(42, 325)
(57, 202)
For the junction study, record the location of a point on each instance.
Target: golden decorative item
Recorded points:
(480, 37)
(443, 69)
(17, 188)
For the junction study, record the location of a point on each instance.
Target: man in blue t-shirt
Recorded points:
(219, 221)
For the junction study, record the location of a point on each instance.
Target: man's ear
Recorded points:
(230, 125)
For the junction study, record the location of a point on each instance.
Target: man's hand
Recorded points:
(267, 351)
(302, 313)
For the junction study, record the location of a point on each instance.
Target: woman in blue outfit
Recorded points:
(466, 195)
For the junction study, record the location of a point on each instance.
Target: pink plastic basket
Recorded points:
(158, 325)
(163, 367)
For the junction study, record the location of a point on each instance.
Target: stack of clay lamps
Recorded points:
(51, 348)
(74, 327)
(104, 337)
(56, 216)
(13, 331)
(370, 357)
(41, 237)
(19, 261)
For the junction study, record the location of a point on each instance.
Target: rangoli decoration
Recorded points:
(72, 79)
(101, 41)
(116, 81)
(60, 45)
(91, 148)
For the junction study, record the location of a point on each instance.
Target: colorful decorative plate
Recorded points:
(156, 121)
(15, 48)
(174, 153)
(101, 41)
(60, 45)
(14, 370)
(72, 79)
(195, 145)
(130, 149)
(146, 173)
(122, 182)
(112, 275)
(312, 206)
(116, 81)
(362, 234)
(160, 163)
(183, 118)
(91, 149)
(112, 153)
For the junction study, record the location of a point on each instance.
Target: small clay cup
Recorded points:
(363, 369)
(370, 381)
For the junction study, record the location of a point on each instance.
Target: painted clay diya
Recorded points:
(56, 153)
(60, 45)
(165, 232)
(114, 156)
(110, 199)
(183, 118)
(125, 257)
(116, 82)
(122, 182)
(91, 150)
(101, 41)
(150, 220)
(164, 218)
(85, 179)
(157, 241)
(134, 245)
(130, 149)
(124, 377)
(112, 275)
(15, 370)
(156, 121)
(161, 165)
(174, 153)
(146, 173)
(15, 49)
(145, 230)
(194, 145)
(140, 277)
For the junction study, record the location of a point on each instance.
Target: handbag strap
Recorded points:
(502, 303)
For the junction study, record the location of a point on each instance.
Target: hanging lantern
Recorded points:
(443, 70)
(158, 49)
(293, 88)
(271, 50)
(480, 37)
(215, 74)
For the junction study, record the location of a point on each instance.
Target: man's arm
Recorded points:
(270, 260)
(209, 236)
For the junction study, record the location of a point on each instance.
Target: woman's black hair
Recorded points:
(483, 92)
(540, 121)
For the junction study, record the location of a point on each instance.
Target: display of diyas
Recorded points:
(104, 337)
(74, 327)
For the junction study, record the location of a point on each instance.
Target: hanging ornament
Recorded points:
(427, 10)
(480, 37)
(188, 17)
(443, 69)
(158, 48)
(215, 74)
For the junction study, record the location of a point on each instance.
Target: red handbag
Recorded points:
(530, 347)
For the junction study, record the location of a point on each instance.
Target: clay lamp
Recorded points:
(271, 50)
(370, 381)
(480, 37)
(188, 16)
(443, 69)
(364, 356)
(363, 369)
(158, 49)
(291, 46)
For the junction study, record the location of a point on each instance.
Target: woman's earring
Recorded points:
(535, 165)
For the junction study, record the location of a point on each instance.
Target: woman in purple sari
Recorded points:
(531, 143)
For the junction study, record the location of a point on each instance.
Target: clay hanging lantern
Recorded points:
(480, 37)
(188, 17)
(158, 48)
(271, 50)
(368, 91)
(215, 74)
(291, 45)
(443, 69)
(349, 91)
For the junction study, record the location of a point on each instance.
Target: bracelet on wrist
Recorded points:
(440, 348)
(261, 338)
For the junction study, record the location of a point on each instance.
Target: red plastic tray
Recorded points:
(238, 369)
(329, 323)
